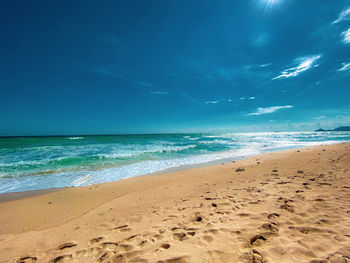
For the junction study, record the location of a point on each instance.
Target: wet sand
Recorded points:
(289, 206)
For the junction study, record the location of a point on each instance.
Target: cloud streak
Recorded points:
(345, 67)
(140, 83)
(212, 102)
(216, 101)
(345, 15)
(158, 92)
(248, 98)
(346, 36)
(269, 110)
(265, 65)
(302, 64)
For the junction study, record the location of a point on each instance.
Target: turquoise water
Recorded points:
(32, 163)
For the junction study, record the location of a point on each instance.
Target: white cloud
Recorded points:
(268, 110)
(265, 65)
(211, 102)
(345, 67)
(220, 100)
(303, 64)
(345, 15)
(158, 92)
(248, 98)
(346, 36)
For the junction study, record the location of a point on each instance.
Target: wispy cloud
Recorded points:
(268, 110)
(265, 65)
(218, 100)
(345, 67)
(260, 40)
(248, 98)
(109, 73)
(212, 102)
(257, 66)
(158, 92)
(345, 15)
(346, 36)
(302, 64)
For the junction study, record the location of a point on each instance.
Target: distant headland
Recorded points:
(343, 128)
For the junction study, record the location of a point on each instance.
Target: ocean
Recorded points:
(33, 163)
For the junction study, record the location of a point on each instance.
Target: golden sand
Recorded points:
(289, 206)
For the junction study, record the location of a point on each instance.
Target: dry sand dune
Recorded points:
(291, 206)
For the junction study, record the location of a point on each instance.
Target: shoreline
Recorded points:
(226, 209)
(9, 196)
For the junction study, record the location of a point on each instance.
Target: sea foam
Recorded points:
(32, 164)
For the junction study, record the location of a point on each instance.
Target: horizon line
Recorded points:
(126, 134)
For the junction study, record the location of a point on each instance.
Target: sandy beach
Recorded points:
(288, 206)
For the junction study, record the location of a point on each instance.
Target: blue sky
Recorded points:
(87, 67)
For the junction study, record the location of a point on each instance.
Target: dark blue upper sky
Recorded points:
(143, 66)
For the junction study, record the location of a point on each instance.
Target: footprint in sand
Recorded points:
(252, 256)
(307, 230)
(26, 259)
(66, 245)
(95, 240)
(126, 247)
(165, 246)
(198, 219)
(95, 250)
(180, 236)
(131, 237)
(142, 243)
(109, 245)
(257, 240)
(272, 227)
(243, 214)
(61, 258)
(286, 206)
(106, 255)
(122, 228)
(191, 233)
(273, 215)
(175, 260)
